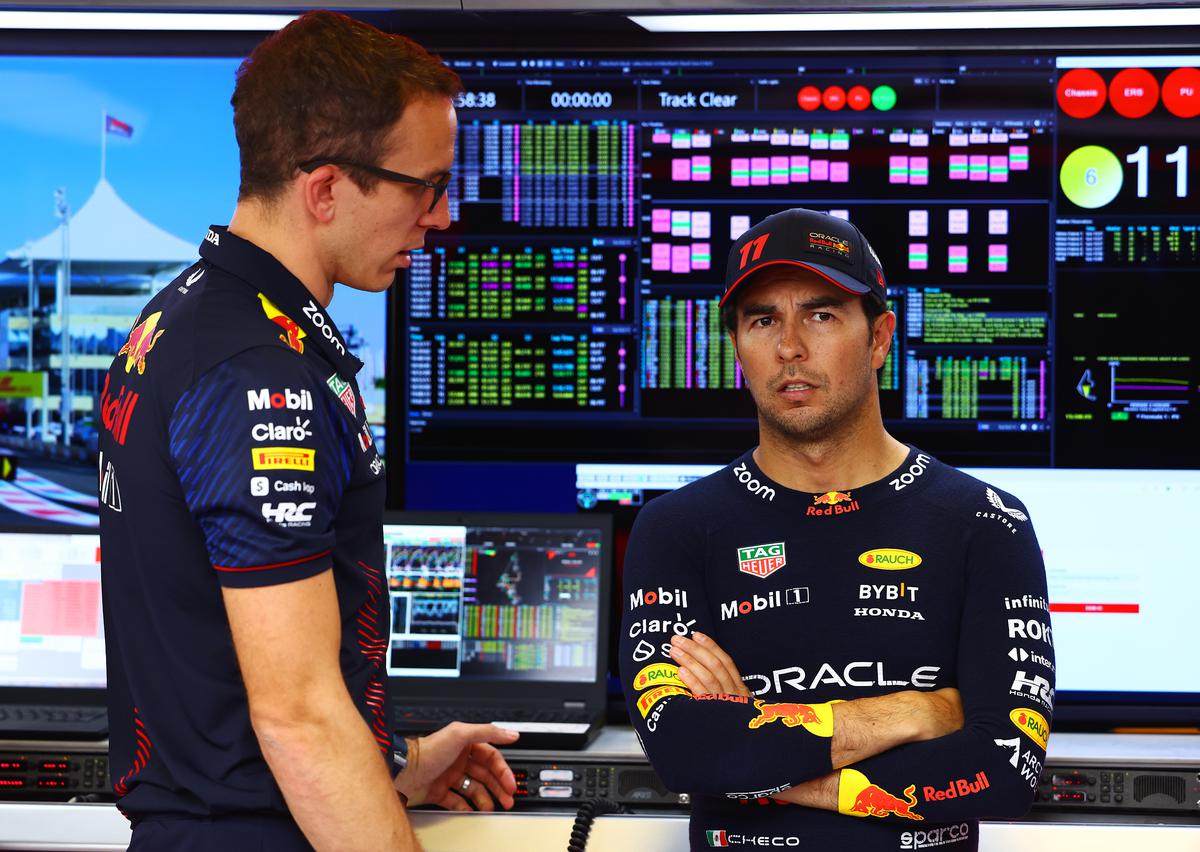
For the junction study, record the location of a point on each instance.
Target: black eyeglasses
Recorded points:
(439, 187)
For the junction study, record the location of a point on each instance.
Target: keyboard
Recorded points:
(36, 720)
(431, 718)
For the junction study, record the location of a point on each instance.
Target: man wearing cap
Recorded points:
(827, 641)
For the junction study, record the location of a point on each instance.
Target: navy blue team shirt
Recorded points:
(236, 453)
(926, 579)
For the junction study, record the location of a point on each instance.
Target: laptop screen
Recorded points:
(51, 629)
(489, 601)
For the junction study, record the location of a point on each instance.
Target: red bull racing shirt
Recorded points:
(235, 453)
(926, 579)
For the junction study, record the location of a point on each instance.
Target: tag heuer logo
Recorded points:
(761, 560)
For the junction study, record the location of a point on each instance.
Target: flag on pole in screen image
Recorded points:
(115, 125)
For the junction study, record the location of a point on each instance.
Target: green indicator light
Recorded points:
(1120, 415)
(883, 98)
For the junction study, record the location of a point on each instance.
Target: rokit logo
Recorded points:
(665, 597)
(288, 514)
(931, 838)
(856, 674)
(276, 432)
(1031, 629)
(758, 603)
(745, 477)
(317, 317)
(263, 399)
(1036, 687)
(910, 476)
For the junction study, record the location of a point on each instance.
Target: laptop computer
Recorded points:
(52, 670)
(502, 619)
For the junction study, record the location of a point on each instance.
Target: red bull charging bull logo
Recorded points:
(857, 796)
(814, 718)
(293, 334)
(833, 503)
(141, 340)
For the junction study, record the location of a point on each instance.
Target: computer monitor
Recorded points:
(479, 599)
(51, 625)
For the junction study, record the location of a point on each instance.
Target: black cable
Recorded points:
(584, 818)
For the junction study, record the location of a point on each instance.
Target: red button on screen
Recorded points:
(1133, 92)
(809, 98)
(1181, 92)
(835, 98)
(1081, 93)
(859, 98)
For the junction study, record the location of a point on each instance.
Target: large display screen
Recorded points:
(119, 165)
(1035, 218)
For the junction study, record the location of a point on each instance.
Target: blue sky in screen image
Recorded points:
(179, 169)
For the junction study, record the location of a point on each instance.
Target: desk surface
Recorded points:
(100, 828)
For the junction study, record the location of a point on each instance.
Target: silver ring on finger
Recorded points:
(465, 784)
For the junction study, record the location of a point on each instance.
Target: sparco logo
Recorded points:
(909, 476)
(931, 837)
(753, 485)
(667, 597)
(317, 318)
(263, 399)
(771, 600)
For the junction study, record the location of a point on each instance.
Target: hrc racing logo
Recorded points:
(342, 390)
(830, 503)
(293, 334)
(141, 340)
(762, 560)
(757, 603)
(1036, 687)
(889, 559)
(722, 838)
(743, 475)
(289, 514)
(283, 458)
(857, 796)
(657, 674)
(1032, 724)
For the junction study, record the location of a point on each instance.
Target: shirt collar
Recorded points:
(261, 271)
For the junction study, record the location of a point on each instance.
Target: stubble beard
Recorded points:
(803, 425)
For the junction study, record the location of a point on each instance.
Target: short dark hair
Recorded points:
(326, 85)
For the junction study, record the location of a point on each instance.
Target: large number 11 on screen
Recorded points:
(1179, 157)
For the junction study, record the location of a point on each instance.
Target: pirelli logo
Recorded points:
(283, 458)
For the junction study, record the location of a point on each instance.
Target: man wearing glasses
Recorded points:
(245, 597)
